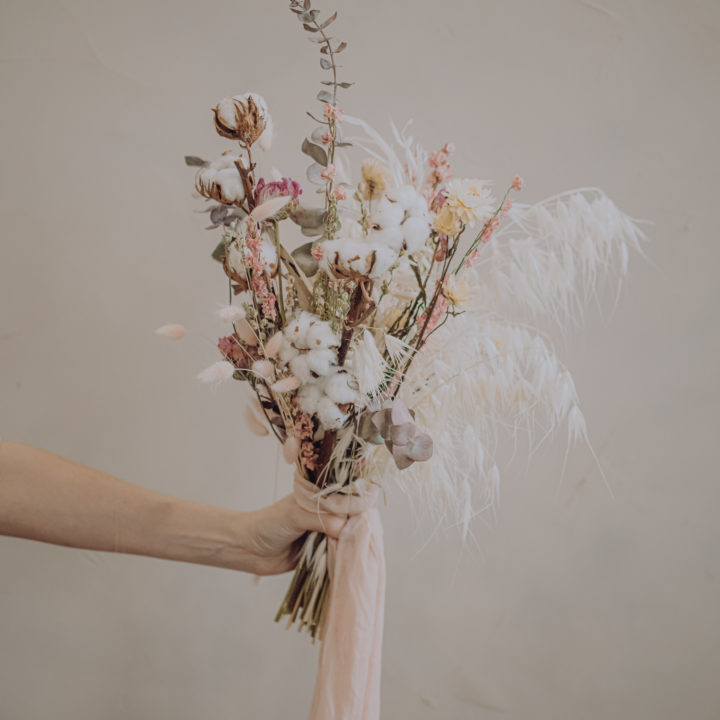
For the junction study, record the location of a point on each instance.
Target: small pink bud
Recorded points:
(517, 183)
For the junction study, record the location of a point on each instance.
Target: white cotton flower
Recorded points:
(470, 200)
(387, 214)
(297, 329)
(308, 396)
(329, 414)
(320, 361)
(320, 335)
(339, 388)
(367, 364)
(299, 366)
(391, 237)
(287, 353)
(221, 180)
(416, 231)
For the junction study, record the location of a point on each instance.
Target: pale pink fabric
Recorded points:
(347, 686)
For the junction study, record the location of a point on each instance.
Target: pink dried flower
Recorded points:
(339, 193)
(329, 172)
(517, 183)
(436, 317)
(287, 187)
(449, 148)
(233, 351)
(326, 138)
(318, 251)
(472, 258)
(332, 112)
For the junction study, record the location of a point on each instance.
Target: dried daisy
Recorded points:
(375, 180)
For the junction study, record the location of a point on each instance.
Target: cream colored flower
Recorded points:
(447, 221)
(457, 290)
(471, 200)
(375, 180)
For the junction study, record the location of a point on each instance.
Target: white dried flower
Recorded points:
(329, 414)
(217, 372)
(470, 200)
(339, 388)
(320, 361)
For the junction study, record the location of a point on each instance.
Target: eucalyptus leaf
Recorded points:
(343, 144)
(340, 47)
(306, 4)
(309, 28)
(218, 213)
(327, 82)
(219, 252)
(308, 217)
(325, 64)
(312, 232)
(329, 20)
(194, 161)
(303, 257)
(325, 96)
(322, 122)
(313, 174)
(317, 153)
(345, 84)
(310, 15)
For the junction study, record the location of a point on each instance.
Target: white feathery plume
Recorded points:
(231, 313)
(270, 208)
(367, 364)
(217, 372)
(547, 261)
(172, 331)
(286, 384)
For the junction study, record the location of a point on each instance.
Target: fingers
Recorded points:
(331, 525)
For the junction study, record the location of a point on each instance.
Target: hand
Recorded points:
(271, 534)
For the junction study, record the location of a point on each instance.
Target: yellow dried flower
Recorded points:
(375, 180)
(457, 290)
(447, 222)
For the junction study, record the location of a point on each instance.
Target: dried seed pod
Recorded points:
(243, 118)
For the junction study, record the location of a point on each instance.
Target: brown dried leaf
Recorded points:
(329, 20)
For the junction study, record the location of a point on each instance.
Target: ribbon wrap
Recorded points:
(347, 686)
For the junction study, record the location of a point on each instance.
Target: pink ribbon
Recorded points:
(347, 686)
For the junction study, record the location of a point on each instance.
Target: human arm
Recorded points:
(46, 497)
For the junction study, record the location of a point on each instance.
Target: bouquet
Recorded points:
(382, 322)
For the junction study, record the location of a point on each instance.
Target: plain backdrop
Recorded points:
(567, 603)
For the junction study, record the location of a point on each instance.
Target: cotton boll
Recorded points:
(296, 331)
(231, 185)
(404, 195)
(384, 258)
(392, 237)
(415, 233)
(299, 366)
(329, 414)
(338, 388)
(320, 361)
(309, 396)
(287, 353)
(387, 214)
(321, 335)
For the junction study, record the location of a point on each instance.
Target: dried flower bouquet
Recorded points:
(394, 341)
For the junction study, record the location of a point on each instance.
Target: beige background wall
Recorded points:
(571, 605)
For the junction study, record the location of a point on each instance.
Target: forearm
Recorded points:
(49, 498)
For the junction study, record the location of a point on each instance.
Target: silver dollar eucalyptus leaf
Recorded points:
(317, 153)
(194, 161)
(308, 217)
(302, 256)
(325, 64)
(329, 20)
(325, 96)
(313, 174)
